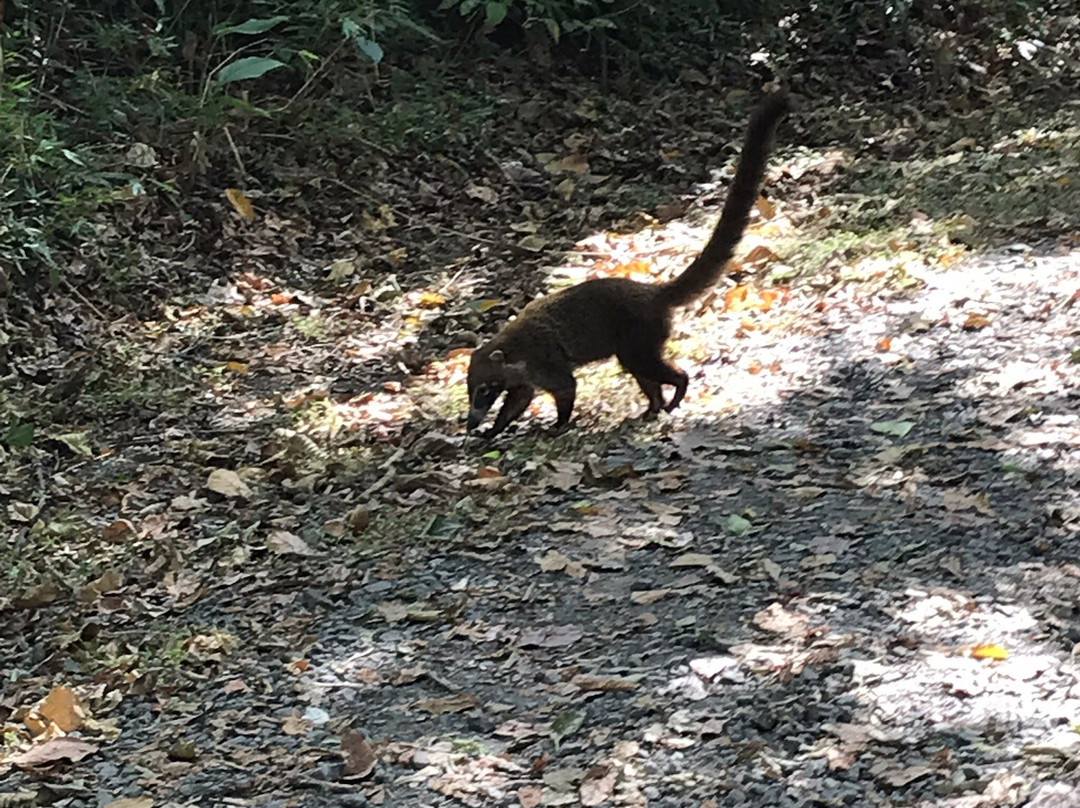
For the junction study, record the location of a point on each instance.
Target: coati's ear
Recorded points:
(515, 373)
(497, 357)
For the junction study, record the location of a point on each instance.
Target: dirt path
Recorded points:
(797, 594)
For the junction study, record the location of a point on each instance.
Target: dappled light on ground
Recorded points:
(251, 557)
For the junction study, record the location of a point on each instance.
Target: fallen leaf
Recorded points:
(295, 725)
(778, 620)
(956, 499)
(78, 442)
(131, 802)
(22, 511)
(737, 525)
(550, 637)
(482, 192)
(457, 703)
(430, 300)
(359, 757)
(529, 796)
(241, 204)
(285, 543)
(603, 684)
(976, 322)
(897, 429)
(227, 483)
(692, 560)
(119, 531)
(646, 596)
(597, 786)
(992, 651)
(63, 709)
(69, 749)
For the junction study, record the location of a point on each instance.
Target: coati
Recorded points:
(596, 319)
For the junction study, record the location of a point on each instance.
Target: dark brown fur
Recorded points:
(613, 316)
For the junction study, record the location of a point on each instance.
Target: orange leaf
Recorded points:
(734, 297)
(884, 344)
(989, 652)
(487, 473)
(754, 368)
(760, 255)
(975, 322)
(766, 208)
(281, 298)
(241, 204)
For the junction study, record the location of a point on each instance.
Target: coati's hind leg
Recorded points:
(516, 401)
(651, 371)
(654, 393)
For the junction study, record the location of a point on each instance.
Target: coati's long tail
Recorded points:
(697, 278)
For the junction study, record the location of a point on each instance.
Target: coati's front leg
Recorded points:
(516, 401)
(561, 384)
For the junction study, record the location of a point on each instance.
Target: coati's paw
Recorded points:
(650, 414)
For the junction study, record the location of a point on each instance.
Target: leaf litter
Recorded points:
(852, 546)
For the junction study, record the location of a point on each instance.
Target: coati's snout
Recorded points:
(489, 375)
(480, 401)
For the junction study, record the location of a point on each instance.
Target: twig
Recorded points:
(235, 151)
(387, 478)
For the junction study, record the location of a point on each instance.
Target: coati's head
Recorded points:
(489, 375)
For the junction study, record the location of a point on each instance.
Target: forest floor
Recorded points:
(254, 560)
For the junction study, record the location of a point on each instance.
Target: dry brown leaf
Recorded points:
(766, 208)
(976, 322)
(956, 499)
(778, 620)
(597, 786)
(227, 483)
(692, 560)
(295, 725)
(603, 684)
(647, 596)
(109, 581)
(759, 256)
(530, 796)
(62, 708)
(119, 531)
(241, 204)
(69, 749)
(457, 703)
(131, 802)
(550, 636)
(359, 757)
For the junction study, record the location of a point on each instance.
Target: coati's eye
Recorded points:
(485, 395)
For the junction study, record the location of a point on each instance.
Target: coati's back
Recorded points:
(591, 320)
